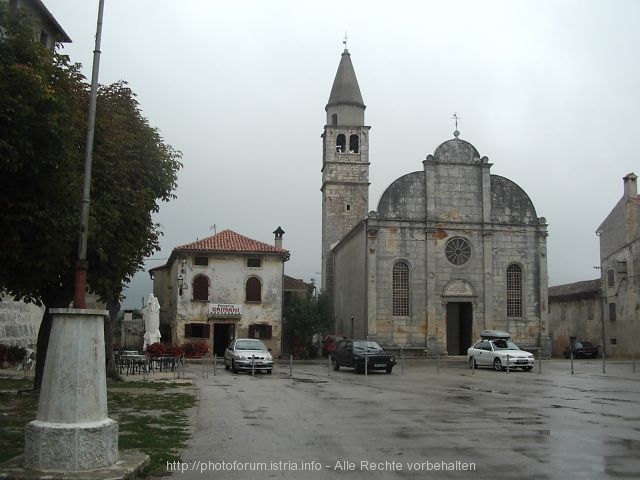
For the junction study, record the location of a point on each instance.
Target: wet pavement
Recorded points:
(425, 423)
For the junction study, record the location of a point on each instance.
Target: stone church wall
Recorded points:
(458, 193)
(350, 287)
(517, 245)
(401, 241)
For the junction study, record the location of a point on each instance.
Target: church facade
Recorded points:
(451, 249)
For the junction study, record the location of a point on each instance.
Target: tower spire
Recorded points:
(345, 164)
(345, 90)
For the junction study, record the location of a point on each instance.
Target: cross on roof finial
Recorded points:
(456, 117)
(345, 40)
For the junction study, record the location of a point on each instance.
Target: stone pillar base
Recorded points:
(68, 447)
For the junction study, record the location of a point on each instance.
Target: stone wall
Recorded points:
(575, 311)
(19, 322)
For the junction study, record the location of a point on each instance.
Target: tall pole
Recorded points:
(82, 266)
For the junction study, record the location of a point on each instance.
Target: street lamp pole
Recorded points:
(82, 266)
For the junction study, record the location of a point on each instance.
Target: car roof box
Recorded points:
(486, 334)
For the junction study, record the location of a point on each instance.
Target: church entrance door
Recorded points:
(223, 333)
(459, 327)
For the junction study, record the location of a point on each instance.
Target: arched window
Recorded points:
(401, 289)
(514, 291)
(354, 144)
(253, 290)
(341, 143)
(201, 288)
(334, 119)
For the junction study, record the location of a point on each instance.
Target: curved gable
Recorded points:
(510, 203)
(456, 151)
(404, 198)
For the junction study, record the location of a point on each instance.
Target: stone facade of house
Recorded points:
(222, 287)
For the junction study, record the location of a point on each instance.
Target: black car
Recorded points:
(581, 349)
(354, 354)
(329, 343)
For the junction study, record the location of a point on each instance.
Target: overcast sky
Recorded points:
(548, 90)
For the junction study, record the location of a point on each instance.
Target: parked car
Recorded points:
(354, 354)
(581, 349)
(247, 354)
(329, 343)
(495, 352)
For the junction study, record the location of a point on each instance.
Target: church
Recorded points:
(451, 249)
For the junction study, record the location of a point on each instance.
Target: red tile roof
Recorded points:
(229, 241)
(291, 283)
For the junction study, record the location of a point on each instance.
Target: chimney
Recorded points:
(278, 232)
(630, 185)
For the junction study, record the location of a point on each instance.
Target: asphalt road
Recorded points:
(454, 423)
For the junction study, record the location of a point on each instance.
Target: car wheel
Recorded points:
(226, 365)
(357, 368)
(497, 365)
(527, 369)
(389, 369)
(269, 371)
(472, 363)
(334, 364)
(233, 366)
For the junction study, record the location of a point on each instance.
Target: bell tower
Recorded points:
(345, 164)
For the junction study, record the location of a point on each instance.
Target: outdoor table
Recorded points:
(163, 362)
(133, 363)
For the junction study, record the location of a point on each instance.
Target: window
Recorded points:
(354, 144)
(197, 330)
(201, 288)
(458, 251)
(44, 38)
(401, 289)
(341, 143)
(514, 291)
(612, 312)
(253, 290)
(334, 119)
(260, 331)
(254, 262)
(348, 207)
(201, 261)
(611, 277)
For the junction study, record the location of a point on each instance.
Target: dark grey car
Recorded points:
(355, 353)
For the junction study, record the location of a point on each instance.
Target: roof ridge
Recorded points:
(230, 241)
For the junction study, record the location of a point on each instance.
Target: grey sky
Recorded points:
(548, 90)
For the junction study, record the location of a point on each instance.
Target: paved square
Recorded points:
(423, 424)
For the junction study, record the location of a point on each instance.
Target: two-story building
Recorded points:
(222, 287)
(619, 264)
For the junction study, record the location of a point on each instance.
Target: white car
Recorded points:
(247, 354)
(496, 352)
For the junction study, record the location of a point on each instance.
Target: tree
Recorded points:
(305, 316)
(43, 118)
(133, 170)
(40, 117)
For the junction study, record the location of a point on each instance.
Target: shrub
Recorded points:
(162, 349)
(195, 349)
(11, 354)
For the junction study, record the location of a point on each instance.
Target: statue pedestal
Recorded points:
(72, 431)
